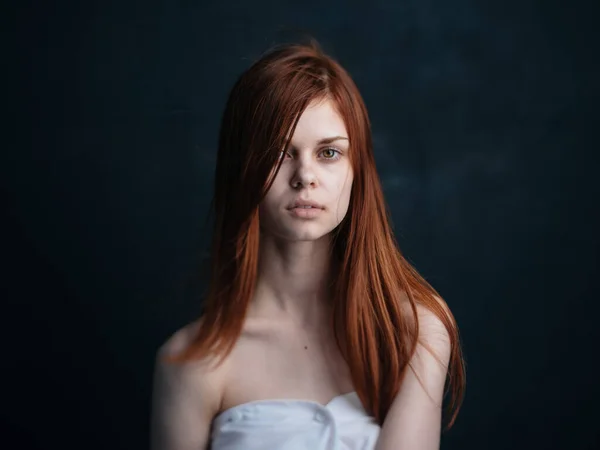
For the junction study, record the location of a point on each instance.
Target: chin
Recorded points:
(297, 231)
(307, 235)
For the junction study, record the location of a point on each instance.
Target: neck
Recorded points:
(293, 281)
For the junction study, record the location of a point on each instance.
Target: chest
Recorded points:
(285, 364)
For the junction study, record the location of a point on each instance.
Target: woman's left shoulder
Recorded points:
(433, 331)
(429, 312)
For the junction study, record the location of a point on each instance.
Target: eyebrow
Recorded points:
(329, 140)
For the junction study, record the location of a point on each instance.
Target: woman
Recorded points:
(316, 332)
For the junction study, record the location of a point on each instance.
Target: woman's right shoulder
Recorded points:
(198, 374)
(186, 396)
(179, 340)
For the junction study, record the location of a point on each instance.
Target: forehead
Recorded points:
(319, 119)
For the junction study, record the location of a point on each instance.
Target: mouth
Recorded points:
(306, 204)
(305, 212)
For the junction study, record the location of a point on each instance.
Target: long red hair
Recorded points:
(376, 290)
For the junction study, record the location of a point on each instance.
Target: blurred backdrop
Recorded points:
(484, 119)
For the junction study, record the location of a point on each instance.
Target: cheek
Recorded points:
(279, 184)
(267, 213)
(273, 200)
(267, 206)
(345, 187)
(341, 191)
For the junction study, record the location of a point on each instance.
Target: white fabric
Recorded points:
(284, 424)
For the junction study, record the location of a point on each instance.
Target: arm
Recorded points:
(415, 416)
(184, 400)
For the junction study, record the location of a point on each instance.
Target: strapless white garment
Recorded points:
(289, 424)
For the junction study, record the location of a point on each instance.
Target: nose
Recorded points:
(304, 174)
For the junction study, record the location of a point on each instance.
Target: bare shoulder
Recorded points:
(179, 339)
(197, 376)
(432, 331)
(428, 320)
(185, 396)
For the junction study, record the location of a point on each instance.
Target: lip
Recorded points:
(298, 203)
(306, 213)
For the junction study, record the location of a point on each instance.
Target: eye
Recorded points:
(330, 153)
(335, 153)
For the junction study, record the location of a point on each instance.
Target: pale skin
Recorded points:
(286, 349)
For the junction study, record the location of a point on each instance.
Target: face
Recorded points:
(316, 168)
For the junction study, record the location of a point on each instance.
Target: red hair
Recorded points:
(376, 291)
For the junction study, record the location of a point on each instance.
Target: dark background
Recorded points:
(484, 119)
